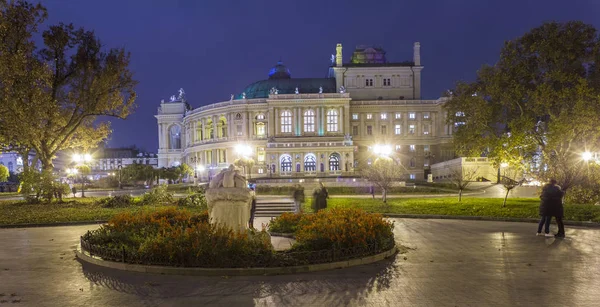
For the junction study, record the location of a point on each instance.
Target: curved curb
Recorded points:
(53, 224)
(283, 234)
(166, 270)
(487, 218)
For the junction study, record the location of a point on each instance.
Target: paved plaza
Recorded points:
(444, 263)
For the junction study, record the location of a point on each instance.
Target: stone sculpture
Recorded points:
(320, 90)
(297, 91)
(229, 199)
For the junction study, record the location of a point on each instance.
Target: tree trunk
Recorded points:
(460, 195)
(384, 196)
(505, 197)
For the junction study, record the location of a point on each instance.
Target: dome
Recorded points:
(279, 71)
(262, 88)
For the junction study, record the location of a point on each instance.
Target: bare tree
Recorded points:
(509, 180)
(383, 172)
(462, 178)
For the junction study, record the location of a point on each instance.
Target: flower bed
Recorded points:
(336, 228)
(178, 237)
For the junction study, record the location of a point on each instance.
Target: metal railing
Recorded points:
(276, 259)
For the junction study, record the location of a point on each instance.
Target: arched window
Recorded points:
(260, 116)
(286, 122)
(223, 127)
(309, 121)
(286, 163)
(297, 167)
(260, 129)
(175, 137)
(332, 121)
(334, 162)
(310, 163)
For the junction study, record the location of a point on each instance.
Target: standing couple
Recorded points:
(551, 206)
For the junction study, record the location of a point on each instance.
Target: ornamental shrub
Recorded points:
(158, 196)
(194, 200)
(343, 228)
(285, 223)
(178, 237)
(118, 201)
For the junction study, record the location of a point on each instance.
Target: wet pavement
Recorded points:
(445, 263)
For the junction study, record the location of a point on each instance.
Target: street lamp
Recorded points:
(199, 169)
(382, 150)
(194, 160)
(586, 156)
(119, 167)
(82, 159)
(244, 151)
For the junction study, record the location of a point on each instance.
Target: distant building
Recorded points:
(313, 127)
(107, 159)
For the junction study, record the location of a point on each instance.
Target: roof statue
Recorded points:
(320, 90)
(332, 59)
(274, 91)
(162, 101)
(230, 99)
(181, 94)
(244, 95)
(173, 98)
(297, 91)
(342, 89)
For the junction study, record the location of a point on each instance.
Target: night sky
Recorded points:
(215, 48)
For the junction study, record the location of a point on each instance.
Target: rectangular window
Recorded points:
(355, 116)
(260, 129)
(426, 148)
(239, 130)
(425, 115)
(261, 156)
(368, 82)
(398, 147)
(286, 122)
(369, 130)
(354, 130)
(260, 171)
(369, 116)
(412, 176)
(387, 82)
(425, 129)
(383, 130)
(383, 115)
(411, 129)
(397, 129)
(411, 147)
(412, 115)
(398, 115)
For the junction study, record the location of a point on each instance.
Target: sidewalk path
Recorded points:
(446, 263)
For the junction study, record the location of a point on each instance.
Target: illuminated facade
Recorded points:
(313, 127)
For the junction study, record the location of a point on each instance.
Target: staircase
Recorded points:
(273, 206)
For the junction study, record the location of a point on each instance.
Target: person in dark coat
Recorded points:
(320, 198)
(551, 206)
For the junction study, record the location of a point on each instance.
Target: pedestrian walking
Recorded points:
(298, 198)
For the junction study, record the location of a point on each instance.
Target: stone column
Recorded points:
(341, 127)
(160, 137)
(405, 123)
(215, 127)
(324, 119)
(317, 121)
(271, 122)
(419, 128)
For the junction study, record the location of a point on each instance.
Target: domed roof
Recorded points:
(281, 79)
(262, 88)
(279, 71)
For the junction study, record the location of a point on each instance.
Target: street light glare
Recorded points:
(243, 150)
(77, 158)
(200, 168)
(87, 157)
(586, 156)
(503, 164)
(383, 150)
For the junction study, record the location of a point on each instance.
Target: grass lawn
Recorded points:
(19, 212)
(9, 194)
(488, 207)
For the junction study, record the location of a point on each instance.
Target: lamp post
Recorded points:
(119, 167)
(82, 159)
(245, 152)
(194, 160)
(199, 169)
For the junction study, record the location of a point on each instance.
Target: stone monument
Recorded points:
(229, 199)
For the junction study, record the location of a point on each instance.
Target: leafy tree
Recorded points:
(185, 170)
(538, 105)
(54, 93)
(462, 177)
(4, 173)
(383, 172)
(137, 172)
(246, 163)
